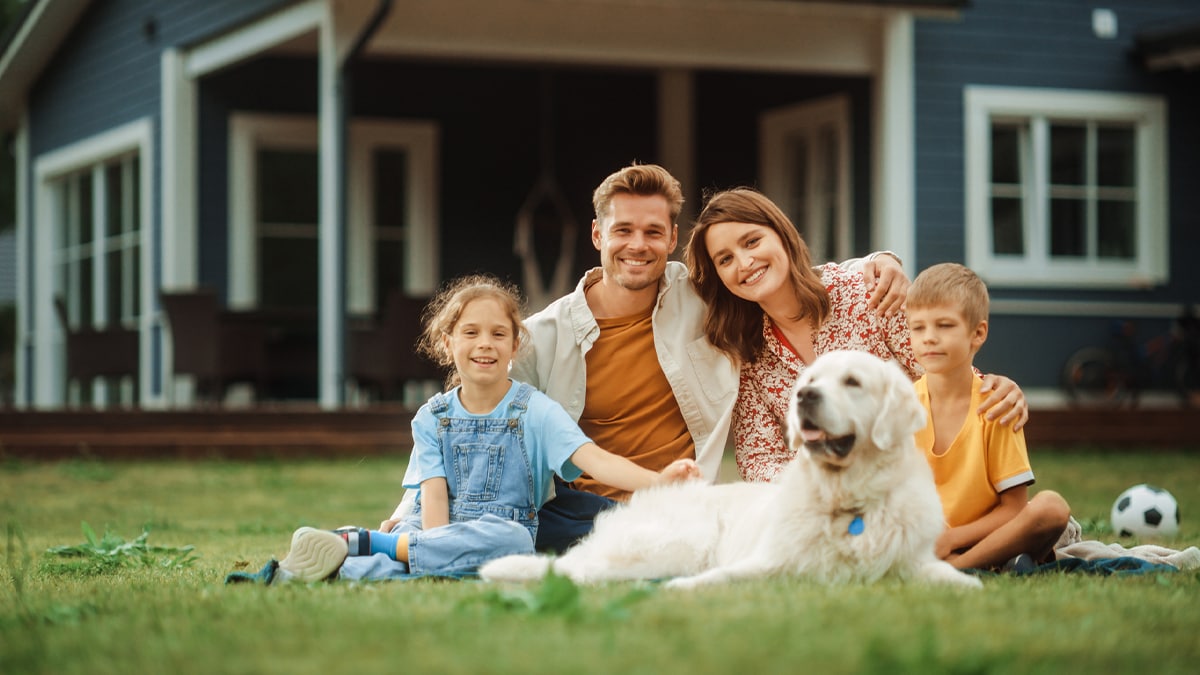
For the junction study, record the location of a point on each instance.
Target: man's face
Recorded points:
(634, 239)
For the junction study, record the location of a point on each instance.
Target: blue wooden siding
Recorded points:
(1048, 43)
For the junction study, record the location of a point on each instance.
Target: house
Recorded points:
(310, 156)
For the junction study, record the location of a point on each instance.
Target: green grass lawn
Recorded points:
(61, 615)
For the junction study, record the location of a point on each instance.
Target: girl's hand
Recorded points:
(679, 470)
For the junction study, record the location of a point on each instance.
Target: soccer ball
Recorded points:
(1145, 511)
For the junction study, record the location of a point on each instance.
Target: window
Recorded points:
(392, 219)
(1065, 188)
(98, 256)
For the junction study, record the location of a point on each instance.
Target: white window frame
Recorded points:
(89, 155)
(1040, 107)
(249, 132)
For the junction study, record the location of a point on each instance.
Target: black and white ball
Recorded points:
(1145, 511)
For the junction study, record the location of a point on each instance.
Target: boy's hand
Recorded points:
(680, 469)
(1005, 401)
(387, 525)
(886, 283)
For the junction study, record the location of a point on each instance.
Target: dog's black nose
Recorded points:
(808, 395)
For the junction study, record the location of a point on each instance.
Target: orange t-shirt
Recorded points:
(629, 408)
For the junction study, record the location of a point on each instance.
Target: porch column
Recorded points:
(331, 235)
(892, 223)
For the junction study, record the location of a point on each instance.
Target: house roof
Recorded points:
(1175, 47)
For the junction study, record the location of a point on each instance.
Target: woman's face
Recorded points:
(750, 260)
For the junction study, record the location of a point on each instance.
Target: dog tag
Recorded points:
(856, 526)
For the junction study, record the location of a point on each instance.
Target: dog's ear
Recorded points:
(900, 412)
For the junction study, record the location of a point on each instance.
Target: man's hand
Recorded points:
(680, 469)
(1005, 401)
(887, 284)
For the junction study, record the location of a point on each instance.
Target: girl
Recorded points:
(770, 309)
(484, 456)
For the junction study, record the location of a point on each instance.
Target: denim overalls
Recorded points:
(490, 486)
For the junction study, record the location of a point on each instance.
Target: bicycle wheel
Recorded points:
(1089, 378)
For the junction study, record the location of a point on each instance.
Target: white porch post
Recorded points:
(894, 211)
(676, 144)
(331, 287)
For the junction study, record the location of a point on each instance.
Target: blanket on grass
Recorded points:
(1074, 554)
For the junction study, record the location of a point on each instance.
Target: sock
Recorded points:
(382, 542)
(358, 540)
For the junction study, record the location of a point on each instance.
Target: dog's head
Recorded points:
(847, 400)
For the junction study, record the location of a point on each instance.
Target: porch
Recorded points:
(306, 430)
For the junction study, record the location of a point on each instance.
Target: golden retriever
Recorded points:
(857, 504)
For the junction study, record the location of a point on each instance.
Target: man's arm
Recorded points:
(886, 281)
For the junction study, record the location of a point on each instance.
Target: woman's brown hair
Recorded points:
(732, 324)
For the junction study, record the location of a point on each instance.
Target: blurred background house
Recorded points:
(288, 170)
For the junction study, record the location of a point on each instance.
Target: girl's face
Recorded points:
(750, 259)
(482, 343)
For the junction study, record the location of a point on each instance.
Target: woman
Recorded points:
(770, 309)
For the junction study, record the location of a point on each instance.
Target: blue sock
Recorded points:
(382, 542)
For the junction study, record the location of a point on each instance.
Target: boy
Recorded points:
(981, 467)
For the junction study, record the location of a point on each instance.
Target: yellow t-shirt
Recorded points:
(985, 459)
(630, 409)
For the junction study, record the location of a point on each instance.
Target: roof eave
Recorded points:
(34, 41)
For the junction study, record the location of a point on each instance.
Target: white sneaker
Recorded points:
(315, 555)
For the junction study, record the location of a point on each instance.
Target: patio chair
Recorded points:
(384, 356)
(91, 353)
(216, 347)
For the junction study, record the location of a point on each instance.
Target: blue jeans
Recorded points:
(453, 550)
(568, 517)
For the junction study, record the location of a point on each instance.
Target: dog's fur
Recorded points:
(851, 420)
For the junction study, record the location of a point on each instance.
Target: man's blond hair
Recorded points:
(950, 284)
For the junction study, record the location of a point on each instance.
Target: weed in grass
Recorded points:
(557, 595)
(98, 555)
(88, 469)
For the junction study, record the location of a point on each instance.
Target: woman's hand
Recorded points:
(887, 284)
(679, 470)
(1005, 401)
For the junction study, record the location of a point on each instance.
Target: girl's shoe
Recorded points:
(315, 555)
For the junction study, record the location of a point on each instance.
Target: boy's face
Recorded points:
(942, 339)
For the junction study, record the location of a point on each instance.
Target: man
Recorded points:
(625, 353)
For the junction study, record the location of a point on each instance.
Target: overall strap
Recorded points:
(439, 405)
(520, 402)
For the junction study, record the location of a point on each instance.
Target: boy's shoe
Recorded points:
(264, 576)
(1022, 564)
(315, 555)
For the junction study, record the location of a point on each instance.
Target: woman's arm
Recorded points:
(1005, 401)
(621, 473)
(435, 503)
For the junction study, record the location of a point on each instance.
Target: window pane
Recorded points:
(389, 269)
(85, 291)
(1067, 227)
(287, 271)
(113, 208)
(85, 208)
(1068, 154)
(1115, 232)
(114, 288)
(134, 272)
(1008, 232)
(134, 212)
(1006, 154)
(1115, 154)
(391, 180)
(287, 186)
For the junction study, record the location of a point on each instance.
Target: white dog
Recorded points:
(858, 502)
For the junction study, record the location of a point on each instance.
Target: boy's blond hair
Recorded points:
(950, 284)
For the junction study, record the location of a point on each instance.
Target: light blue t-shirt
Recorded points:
(551, 437)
